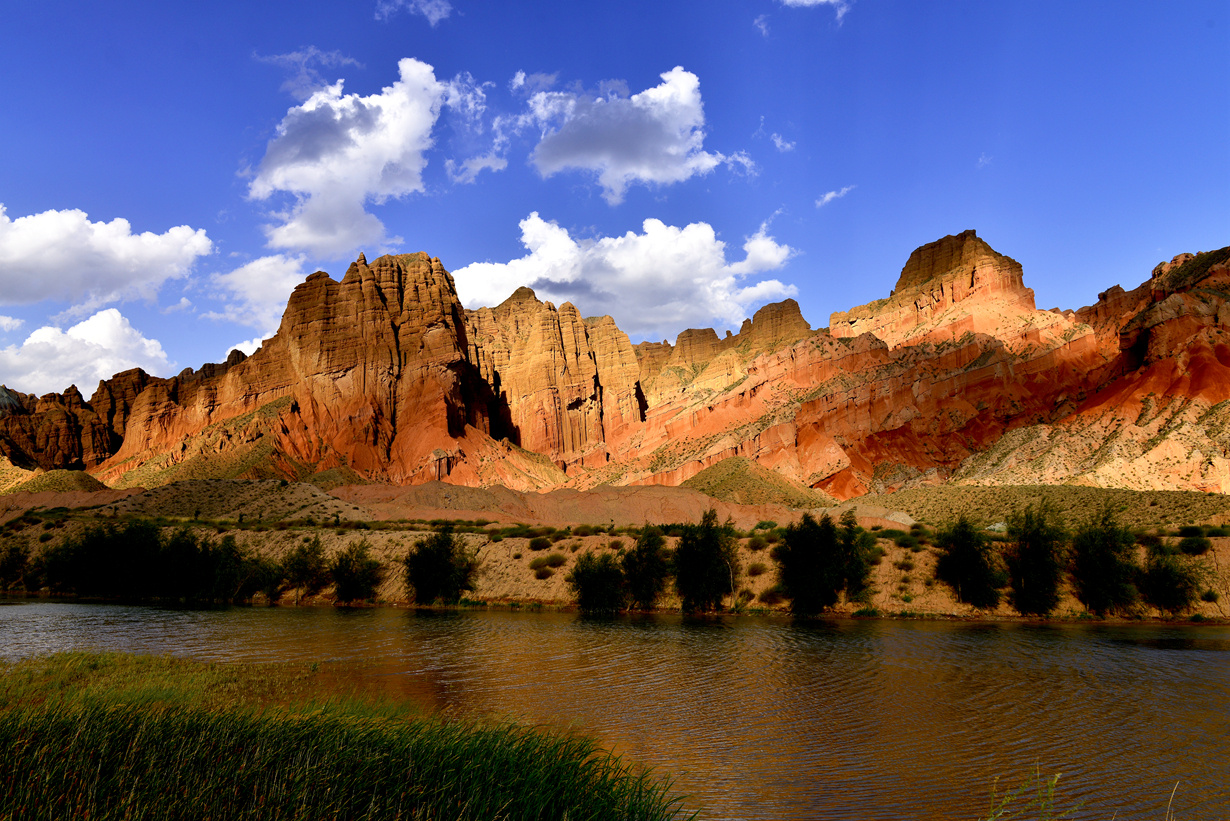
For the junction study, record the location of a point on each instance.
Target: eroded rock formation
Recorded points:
(955, 377)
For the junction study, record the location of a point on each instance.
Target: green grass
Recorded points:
(111, 737)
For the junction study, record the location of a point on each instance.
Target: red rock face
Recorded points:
(955, 377)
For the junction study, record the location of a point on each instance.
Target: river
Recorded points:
(759, 718)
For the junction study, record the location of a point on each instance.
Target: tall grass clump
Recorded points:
(109, 757)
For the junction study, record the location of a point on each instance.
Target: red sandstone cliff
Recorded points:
(954, 377)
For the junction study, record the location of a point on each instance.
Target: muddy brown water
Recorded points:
(759, 718)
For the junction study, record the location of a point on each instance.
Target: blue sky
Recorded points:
(169, 173)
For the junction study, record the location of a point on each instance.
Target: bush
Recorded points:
(906, 540)
(1195, 545)
(539, 543)
(1170, 582)
(706, 563)
(1210, 595)
(543, 573)
(1035, 559)
(552, 560)
(1187, 531)
(646, 567)
(774, 595)
(597, 582)
(356, 573)
(14, 560)
(756, 569)
(967, 564)
(440, 567)
(757, 543)
(1217, 531)
(810, 566)
(306, 569)
(1104, 565)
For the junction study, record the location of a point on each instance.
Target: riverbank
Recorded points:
(524, 566)
(118, 736)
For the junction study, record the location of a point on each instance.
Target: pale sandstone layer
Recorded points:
(955, 377)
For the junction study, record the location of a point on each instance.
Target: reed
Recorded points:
(189, 744)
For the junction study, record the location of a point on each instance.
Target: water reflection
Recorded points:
(762, 719)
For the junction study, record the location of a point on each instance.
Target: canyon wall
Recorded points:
(384, 376)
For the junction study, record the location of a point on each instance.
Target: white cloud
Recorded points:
(336, 152)
(304, 77)
(468, 170)
(762, 24)
(839, 6)
(654, 283)
(8, 323)
(834, 195)
(248, 346)
(433, 10)
(97, 348)
(256, 293)
(62, 255)
(984, 160)
(781, 143)
(654, 137)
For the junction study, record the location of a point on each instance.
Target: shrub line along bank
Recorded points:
(819, 564)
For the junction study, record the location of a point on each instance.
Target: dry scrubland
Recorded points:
(1141, 509)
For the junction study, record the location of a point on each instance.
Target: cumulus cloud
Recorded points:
(51, 359)
(62, 255)
(302, 66)
(336, 152)
(256, 293)
(653, 137)
(839, 6)
(654, 283)
(8, 323)
(834, 195)
(433, 10)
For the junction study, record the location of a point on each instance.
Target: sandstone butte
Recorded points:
(955, 377)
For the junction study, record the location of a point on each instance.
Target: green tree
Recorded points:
(855, 546)
(306, 569)
(1170, 581)
(646, 567)
(967, 564)
(809, 565)
(706, 563)
(440, 567)
(1036, 559)
(1104, 565)
(356, 573)
(597, 582)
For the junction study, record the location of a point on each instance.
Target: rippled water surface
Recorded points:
(760, 719)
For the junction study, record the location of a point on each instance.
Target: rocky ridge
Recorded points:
(955, 377)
